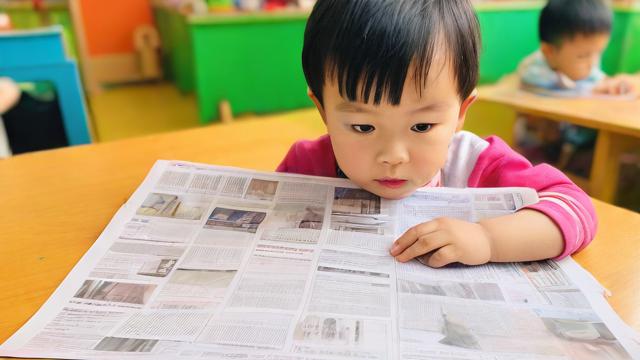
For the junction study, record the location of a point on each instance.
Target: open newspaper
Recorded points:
(207, 262)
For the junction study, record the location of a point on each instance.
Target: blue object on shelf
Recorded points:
(38, 55)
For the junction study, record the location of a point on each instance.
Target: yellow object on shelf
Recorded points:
(220, 5)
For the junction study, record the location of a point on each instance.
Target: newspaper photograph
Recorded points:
(209, 262)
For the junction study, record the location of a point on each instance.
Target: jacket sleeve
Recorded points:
(310, 157)
(533, 75)
(561, 200)
(287, 165)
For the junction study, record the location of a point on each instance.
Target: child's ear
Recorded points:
(315, 100)
(465, 107)
(548, 50)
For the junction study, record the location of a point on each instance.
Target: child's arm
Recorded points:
(622, 84)
(560, 224)
(524, 236)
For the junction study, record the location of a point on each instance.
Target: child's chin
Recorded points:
(395, 197)
(392, 194)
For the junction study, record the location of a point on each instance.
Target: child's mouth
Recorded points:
(391, 183)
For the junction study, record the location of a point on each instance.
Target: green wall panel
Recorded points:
(507, 37)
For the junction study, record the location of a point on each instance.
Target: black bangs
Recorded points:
(369, 46)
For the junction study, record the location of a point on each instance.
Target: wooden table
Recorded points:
(56, 203)
(617, 123)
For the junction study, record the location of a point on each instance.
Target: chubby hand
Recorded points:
(618, 85)
(443, 241)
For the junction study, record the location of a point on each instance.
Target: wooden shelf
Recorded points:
(509, 5)
(248, 17)
(28, 5)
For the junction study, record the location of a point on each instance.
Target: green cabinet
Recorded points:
(254, 62)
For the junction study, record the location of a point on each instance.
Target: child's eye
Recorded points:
(363, 128)
(421, 128)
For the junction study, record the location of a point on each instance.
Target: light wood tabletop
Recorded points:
(56, 203)
(617, 122)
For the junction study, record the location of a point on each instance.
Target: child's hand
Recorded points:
(617, 85)
(443, 241)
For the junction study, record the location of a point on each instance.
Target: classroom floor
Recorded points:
(140, 109)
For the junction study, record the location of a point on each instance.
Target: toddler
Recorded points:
(393, 80)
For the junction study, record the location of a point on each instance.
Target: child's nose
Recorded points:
(393, 153)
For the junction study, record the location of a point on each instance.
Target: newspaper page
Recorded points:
(207, 262)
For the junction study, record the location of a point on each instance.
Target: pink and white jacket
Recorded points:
(477, 162)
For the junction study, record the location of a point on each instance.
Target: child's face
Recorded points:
(393, 150)
(576, 57)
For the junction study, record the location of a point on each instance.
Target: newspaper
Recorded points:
(207, 262)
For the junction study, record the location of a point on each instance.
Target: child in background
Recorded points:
(393, 80)
(573, 35)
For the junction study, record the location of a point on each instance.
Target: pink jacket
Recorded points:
(477, 162)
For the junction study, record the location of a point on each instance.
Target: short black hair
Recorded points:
(564, 19)
(371, 44)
